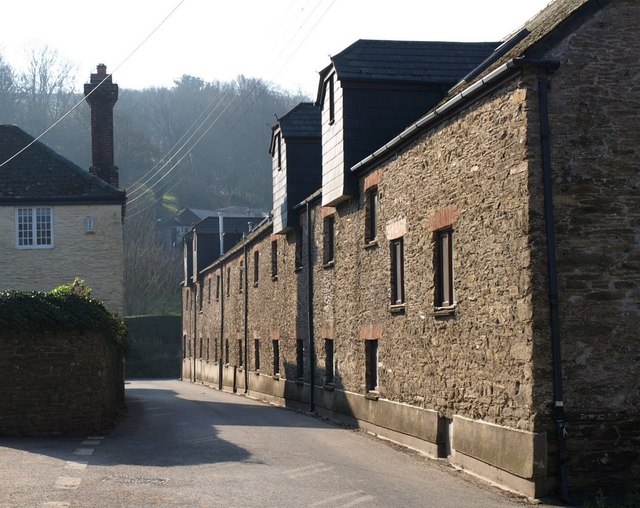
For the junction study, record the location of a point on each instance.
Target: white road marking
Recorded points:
(67, 483)
(71, 464)
(90, 442)
(363, 499)
(83, 451)
(308, 470)
(333, 499)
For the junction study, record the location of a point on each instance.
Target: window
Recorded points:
(331, 97)
(240, 357)
(299, 359)
(276, 357)
(444, 268)
(209, 290)
(371, 215)
(34, 228)
(274, 259)
(279, 151)
(329, 240)
(226, 351)
(200, 290)
(216, 356)
(184, 346)
(256, 267)
(217, 287)
(228, 281)
(241, 277)
(328, 361)
(397, 272)
(256, 354)
(371, 364)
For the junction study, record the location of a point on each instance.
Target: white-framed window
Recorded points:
(34, 228)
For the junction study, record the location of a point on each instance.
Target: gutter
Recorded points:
(556, 357)
(448, 106)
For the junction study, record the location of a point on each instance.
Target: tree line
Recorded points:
(196, 144)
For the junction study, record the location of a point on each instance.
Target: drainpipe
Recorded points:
(222, 293)
(246, 316)
(312, 347)
(558, 402)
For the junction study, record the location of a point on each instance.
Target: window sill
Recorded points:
(329, 387)
(329, 264)
(276, 377)
(257, 372)
(372, 395)
(397, 308)
(371, 244)
(444, 311)
(274, 277)
(255, 284)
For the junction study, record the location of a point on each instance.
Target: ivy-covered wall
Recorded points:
(61, 369)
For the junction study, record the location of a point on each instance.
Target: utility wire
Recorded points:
(236, 118)
(108, 76)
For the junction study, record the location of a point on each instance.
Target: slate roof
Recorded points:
(531, 42)
(303, 121)
(41, 175)
(420, 62)
(540, 33)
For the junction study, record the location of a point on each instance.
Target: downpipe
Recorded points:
(558, 395)
(246, 317)
(312, 347)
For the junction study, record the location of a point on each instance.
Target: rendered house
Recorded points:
(57, 220)
(474, 293)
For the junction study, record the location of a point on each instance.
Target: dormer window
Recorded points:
(279, 151)
(329, 97)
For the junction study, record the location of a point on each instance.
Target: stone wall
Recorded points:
(470, 381)
(66, 383)
(594, 98)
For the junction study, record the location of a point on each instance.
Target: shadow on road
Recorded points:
(164, 428)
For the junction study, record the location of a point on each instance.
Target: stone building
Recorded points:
(472, 293)
(57, 220)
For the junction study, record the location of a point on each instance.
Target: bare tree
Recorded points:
(45, 88)
(152, 275)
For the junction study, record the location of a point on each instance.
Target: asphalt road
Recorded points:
(182, 444)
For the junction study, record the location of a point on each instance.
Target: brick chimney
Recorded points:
(101, 94)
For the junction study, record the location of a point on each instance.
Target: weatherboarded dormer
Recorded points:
(373, 89)
(296, 162)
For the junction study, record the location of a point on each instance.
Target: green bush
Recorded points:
(66, 308)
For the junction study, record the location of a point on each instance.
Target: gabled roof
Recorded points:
(408, 61)
(528, 44)
(302, 122)
(41, 175)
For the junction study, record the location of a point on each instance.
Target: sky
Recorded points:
(147, 43)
